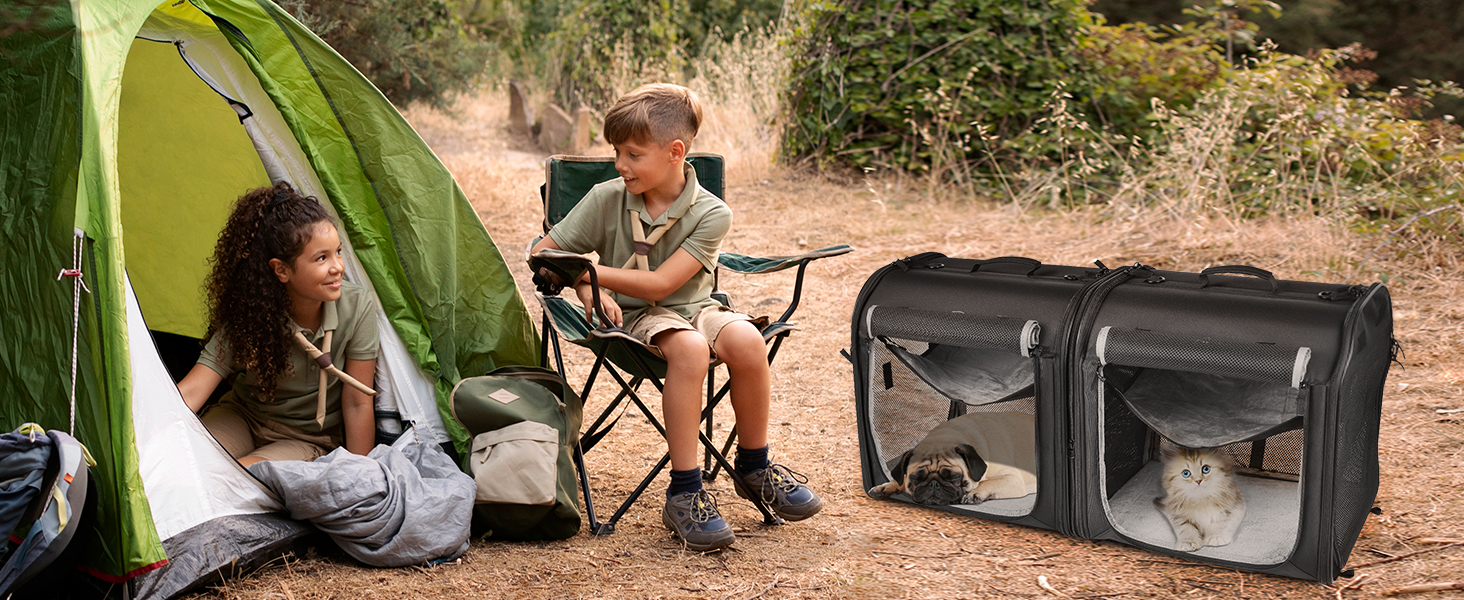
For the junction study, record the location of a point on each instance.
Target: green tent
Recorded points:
(127, 128)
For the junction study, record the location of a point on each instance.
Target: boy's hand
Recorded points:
(607, 304)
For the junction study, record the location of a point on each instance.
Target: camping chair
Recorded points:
(627, 360)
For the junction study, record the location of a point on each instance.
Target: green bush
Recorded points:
(927, 83)
(412, 50)
(1289, 135)
(1135, 63)
(603, 47)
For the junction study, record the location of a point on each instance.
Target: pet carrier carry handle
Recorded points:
(1238, 270)
(1031, 264)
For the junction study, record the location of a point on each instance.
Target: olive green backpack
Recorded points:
(525, 424)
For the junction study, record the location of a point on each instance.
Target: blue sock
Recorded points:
(751, 459)
(682, 482)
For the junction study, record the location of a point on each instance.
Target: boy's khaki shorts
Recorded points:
(244, 435)
(708, 322)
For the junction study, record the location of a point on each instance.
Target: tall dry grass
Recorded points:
(739, 83)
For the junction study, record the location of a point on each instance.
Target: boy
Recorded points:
(663, 297)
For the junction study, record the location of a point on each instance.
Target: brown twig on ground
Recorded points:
(1403, 556)
(1042, 582)
(286, 588)
(1425, 587)
(887, 553)
(1043, 556)
(1353, 585)
(765, 590)
(1204, 581)
(1433, 540)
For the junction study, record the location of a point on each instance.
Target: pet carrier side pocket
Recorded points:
(516, 464)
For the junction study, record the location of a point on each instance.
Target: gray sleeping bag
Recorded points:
(392, 508)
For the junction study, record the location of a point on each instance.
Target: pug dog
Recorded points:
(967, 460)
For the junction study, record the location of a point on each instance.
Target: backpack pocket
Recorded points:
(516, 464)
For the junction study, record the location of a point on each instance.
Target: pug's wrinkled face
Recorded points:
(946, 477)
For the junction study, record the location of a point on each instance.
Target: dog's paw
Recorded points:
(1219, 540)
(1189, 541)
(884, 490)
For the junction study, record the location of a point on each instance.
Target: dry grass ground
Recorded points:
(862, 548)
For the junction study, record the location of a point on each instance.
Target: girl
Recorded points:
(277, 270)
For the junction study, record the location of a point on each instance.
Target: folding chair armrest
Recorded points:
(750, 265)
(555, 270)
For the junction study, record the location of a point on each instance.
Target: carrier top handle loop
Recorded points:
(1239, 270)
(1031, 264)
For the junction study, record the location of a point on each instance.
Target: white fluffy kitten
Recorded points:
(1201, 501)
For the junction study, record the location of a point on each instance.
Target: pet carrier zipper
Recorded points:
(915, 261)
(1327, 561)
(1077, 320)
(858, 360)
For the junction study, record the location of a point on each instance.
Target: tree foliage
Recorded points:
(905, 83)
(1413, 39)
(412, 50)
(604, 42)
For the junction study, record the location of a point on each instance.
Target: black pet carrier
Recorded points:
(1103, 369)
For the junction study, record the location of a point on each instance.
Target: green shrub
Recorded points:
(412, 50)
(1292, 135)
(603, 47)
(925, 83)
(1135, 63)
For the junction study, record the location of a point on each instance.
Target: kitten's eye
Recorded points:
(1205, 470)
(1185, 473)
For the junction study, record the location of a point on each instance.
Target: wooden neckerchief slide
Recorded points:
(643, 242)
(322, 358)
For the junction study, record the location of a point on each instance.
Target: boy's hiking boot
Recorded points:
(783, 491)
(694, 517)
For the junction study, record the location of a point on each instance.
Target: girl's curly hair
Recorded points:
(247, 303)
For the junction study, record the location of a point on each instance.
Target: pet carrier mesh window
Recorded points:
(1244, 401)
(938, 380)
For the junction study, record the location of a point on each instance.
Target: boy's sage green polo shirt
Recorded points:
(601, 223)
(353, 318)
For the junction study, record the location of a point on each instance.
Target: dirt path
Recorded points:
(862, 548)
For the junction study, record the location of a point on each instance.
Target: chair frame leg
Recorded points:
(710, 448)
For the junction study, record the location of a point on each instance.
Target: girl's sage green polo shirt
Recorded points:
(353, 318)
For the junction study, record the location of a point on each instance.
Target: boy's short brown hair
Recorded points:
(658, 112)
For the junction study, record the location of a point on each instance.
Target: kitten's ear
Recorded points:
(1168, 451)
(897, 473)
(975, 465)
